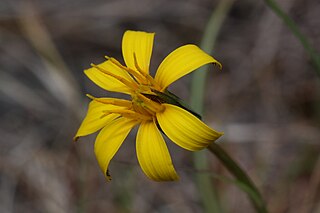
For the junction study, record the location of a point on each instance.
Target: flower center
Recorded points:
(143, 105)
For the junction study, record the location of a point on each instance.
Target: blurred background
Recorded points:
(266, 100)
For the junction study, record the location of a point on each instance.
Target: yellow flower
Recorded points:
(151, 106)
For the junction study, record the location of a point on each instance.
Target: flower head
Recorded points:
(151, 106)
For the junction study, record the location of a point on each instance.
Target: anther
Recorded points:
(135, 74)
(90, 96)
(132, 85)
(148, 103)
(128, 114)
(145, 74)
(112, 101)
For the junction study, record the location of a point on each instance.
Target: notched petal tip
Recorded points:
(109, 141)
(181, 62)
(175, 178)
(75, 138)
(108, 176)
(217, 63)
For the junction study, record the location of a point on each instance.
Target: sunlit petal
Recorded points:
(153, 154)
(180, 62)
(151, 105)
(95, 118)
(185, 129)
(109, 141)
(139, 44)
(108, 82)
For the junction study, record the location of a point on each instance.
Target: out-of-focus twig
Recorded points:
(20, 93)
(244, 181)
(56, 76)
(314, 187)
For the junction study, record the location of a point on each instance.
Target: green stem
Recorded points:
(207, 44)
(207, 192)
(242, 178)
(296, 32)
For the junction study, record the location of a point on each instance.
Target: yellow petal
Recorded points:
(95, 118)
(180, 62)
(153, 154)
(109, 141)
(139, 44)
(185, 129)
(108, 82)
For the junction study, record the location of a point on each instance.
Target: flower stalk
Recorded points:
(204, 182)
(244, 181)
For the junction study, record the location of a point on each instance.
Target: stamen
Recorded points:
(136, 63)
(154, 106)
(147, 109)
(141, 108)
(90, 96)
(145, 74)
(132, 85)
(105, 114)
(112, 101)
(135, 74)
(129, 114)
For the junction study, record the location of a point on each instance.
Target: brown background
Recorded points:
(266, 100)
